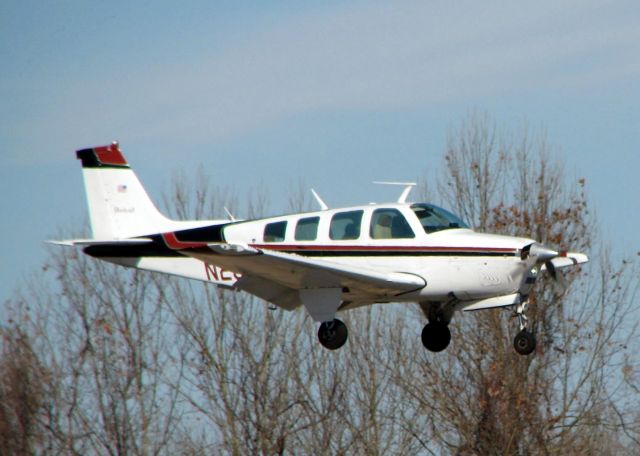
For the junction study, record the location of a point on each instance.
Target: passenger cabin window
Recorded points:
(345, 225)
(307, 229)
(434, 218)
(389, 224)
(274, 232)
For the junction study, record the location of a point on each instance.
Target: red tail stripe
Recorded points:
(110, 155)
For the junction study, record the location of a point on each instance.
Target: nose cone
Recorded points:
(542, 253)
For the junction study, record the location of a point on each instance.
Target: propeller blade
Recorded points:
(560, 283)
(551, 269)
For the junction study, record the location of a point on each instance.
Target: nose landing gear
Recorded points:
(525, 341)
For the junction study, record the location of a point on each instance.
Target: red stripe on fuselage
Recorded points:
(386, 248)
(174, 243)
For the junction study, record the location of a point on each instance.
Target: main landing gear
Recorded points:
(525, 341)
(436, 336)
(333, 334)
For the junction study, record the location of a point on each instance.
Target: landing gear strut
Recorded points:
(333, 334)
(525, 341)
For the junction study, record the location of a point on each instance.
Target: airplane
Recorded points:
(328, 261)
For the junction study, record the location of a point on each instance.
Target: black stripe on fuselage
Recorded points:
(397, 253)
(155, 249)
(206, 234)
(159, 249)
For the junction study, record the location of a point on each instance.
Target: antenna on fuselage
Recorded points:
(407, 188)
(231, 217)
(322, 204)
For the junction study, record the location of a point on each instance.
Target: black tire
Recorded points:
(333, 334)
(524, 342)
(436, 336)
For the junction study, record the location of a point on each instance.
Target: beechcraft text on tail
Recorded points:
(328, 261)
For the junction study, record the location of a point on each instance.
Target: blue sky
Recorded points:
(336, 94)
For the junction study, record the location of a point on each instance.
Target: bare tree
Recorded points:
(101, 338)
(22, 381)
(101, 360)
(476, 160)
(488, 399)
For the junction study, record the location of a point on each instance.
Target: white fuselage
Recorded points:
(470, 265)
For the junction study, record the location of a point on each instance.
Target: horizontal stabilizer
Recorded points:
(86, 242)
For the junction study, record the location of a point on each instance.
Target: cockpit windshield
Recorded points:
(434, 218)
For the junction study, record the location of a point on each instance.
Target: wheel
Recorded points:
(333, 334)
(436, 336)
(524, 342)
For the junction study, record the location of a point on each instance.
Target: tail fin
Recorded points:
(119, 206)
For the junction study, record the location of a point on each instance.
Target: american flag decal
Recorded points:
(122, 188)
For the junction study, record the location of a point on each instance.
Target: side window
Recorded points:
(274, 232)
(389, 224)
(345, 225)
(307, 229)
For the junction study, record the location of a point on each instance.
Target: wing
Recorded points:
(289, 280)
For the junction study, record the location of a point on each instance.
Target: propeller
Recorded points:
(541, 254)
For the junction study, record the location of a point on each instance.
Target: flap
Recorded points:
(277, 294)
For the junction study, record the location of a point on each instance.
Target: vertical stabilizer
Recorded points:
(119, 206)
